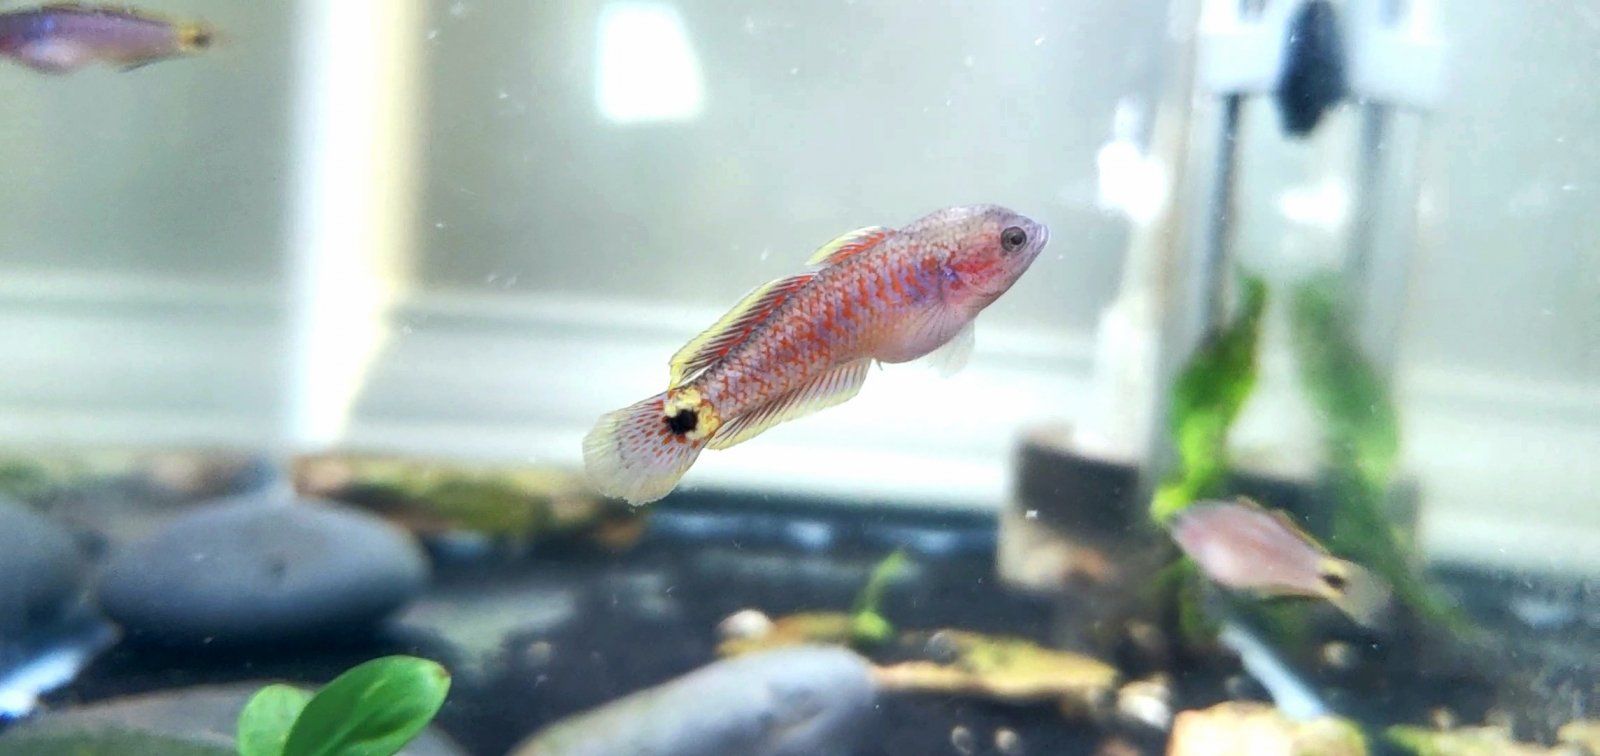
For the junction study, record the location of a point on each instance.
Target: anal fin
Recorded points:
(733, 328)
(834, 387)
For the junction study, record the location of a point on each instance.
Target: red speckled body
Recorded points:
(852, 310)
(804, 342)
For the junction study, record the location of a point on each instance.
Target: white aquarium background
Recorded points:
(467, 228)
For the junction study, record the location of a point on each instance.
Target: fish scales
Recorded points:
(813, 331)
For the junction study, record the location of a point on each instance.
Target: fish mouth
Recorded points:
(1038, 237)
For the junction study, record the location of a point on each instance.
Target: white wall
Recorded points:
(172, 171)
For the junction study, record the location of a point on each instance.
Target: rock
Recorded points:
(42, 569)
(472, 622)
(1146, 703)
(198, 720)
(1247, 727)
(1007, 742)
(516, 505)
(745, 624)
(263, 568)
(1581, 732)
(1002, 668)
(786, 702)
(962, 739)
(37, 663)
(802, 629)
(1486, 740)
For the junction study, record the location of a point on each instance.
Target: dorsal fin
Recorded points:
(1285, 521)
(733, 328)
(849, 245)
(833, 387)
(93, 9)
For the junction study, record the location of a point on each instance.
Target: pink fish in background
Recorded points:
(1242, 546)
(803, 343)
(63, 38)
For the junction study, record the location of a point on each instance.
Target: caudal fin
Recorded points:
(632, 454)
(1363, 596)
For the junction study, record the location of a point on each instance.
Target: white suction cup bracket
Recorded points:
(1393, 58)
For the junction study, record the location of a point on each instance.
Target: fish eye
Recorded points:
(1334, 580)
(1013, 238)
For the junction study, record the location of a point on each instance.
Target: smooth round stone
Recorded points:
(41, 566)
(197, 720)
(262, 569)
(786, 702)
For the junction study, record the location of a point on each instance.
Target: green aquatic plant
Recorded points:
(267, 717)
(1465, 741)
(1359, 418)
(1361, 436)
(1362, 439)
(515, 505)
(24, 481)
(1178, 587)
(863, 628)
(373, 709)
(38, 479)
(1206, 399)
(868, 626)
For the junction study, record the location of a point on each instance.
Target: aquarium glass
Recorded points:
(307, 309)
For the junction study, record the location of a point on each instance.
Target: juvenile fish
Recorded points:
(799, 344)
(63, 38)
(1242, 546)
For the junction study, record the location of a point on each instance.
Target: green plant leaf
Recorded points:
(374, 709)
(1362, 428)
(265, 720)
(870, 629)
(1207, 395)
(884, 572)
(868, 626)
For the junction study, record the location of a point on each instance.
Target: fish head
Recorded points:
(987, 247)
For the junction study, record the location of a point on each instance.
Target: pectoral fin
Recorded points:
(953, 356)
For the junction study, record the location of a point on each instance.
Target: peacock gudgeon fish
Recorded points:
(1243, 546)
(64, 37)
(799, 344)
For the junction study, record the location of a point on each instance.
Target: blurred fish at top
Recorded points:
(1243, 546)
(63, 38)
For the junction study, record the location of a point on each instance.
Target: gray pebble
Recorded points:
(262, 569)
(962, 739)
(192, 720)
(787, 702)
(41, 566)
